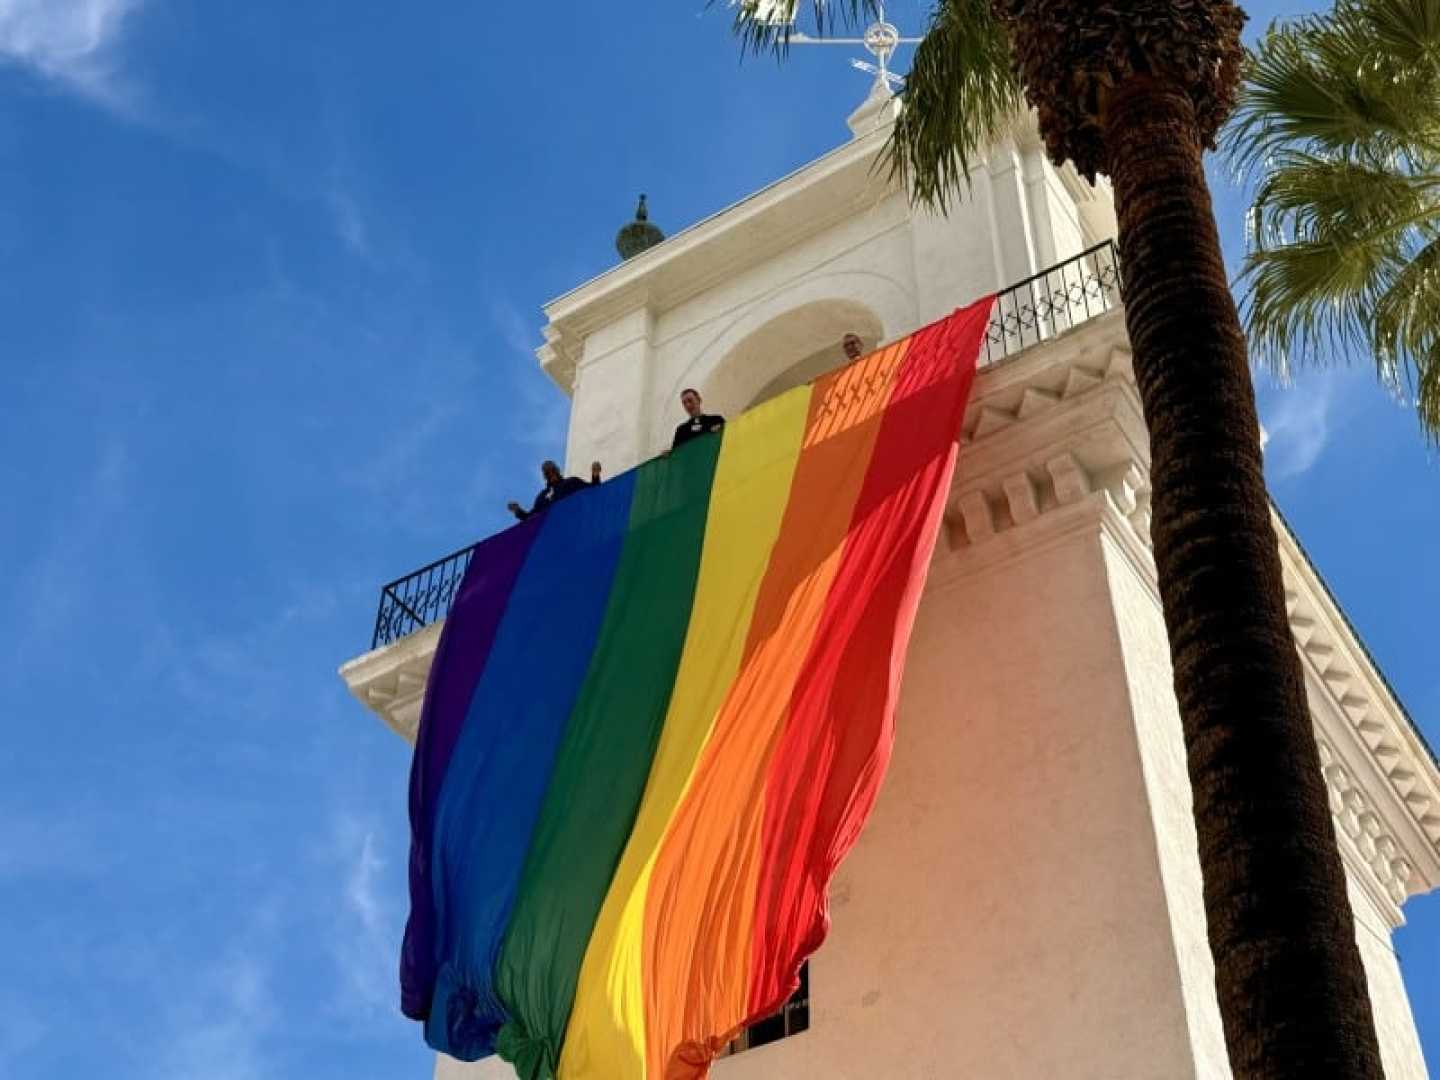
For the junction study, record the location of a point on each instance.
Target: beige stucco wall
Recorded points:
(1003, 916)
(1146, 657)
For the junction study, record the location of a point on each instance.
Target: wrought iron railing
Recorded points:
(1035, 310)
(1054, 300)
(419, 598)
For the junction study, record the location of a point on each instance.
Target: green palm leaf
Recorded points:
(766, 25)
(961, 94)
(1339, 123)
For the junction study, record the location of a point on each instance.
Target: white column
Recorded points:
(612, 386)
(1037, 202)
(1010, 213)
(1400, 1052)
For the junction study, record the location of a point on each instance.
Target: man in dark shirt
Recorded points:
(699, 423)
(557, 486)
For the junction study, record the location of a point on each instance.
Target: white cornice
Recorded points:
(390, 681)
(1375, 748)
(809, 201)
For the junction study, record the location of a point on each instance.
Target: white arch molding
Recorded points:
(787, 333)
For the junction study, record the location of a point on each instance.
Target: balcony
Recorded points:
(1037, 309)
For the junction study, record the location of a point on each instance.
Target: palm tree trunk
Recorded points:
(1292, 989)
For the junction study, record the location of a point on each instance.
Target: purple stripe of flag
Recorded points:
(459, 661)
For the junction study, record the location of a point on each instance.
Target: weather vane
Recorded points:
(881, 39)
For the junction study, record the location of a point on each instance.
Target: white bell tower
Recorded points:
(757, 297)
(1026, 900)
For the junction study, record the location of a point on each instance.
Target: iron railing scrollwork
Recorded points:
(1054, 300)
(416, 600)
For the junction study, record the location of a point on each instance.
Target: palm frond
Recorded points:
(1407, 30)
(1339, 122)
(1308, 299)
(961, 94)
(1405, 334)
(765, 26)
(1329, 82)
(1339, 201)
(1427, 396)
(1407, 316)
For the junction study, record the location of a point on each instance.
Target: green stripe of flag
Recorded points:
(604, 760)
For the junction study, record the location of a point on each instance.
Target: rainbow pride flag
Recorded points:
(658, 716)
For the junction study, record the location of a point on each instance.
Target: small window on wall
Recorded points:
(793, 1018)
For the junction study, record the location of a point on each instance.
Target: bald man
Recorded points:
(557, 486)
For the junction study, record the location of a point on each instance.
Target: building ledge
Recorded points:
(390, 680)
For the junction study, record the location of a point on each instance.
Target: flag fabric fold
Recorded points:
(658, 716)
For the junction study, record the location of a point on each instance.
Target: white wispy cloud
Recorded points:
(39, 846)
(1298, 423)
(79, 45)
(225, 1040)
(52, 591)
(514, 331)
(22, 1029)
(546, 419)
(221, 1028)
(349, 221)
(364, 938)
(399, 457)
(72, 42)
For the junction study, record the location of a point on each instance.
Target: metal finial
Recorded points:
(639, 235)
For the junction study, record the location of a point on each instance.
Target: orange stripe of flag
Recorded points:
(825, 773)
(701, 903)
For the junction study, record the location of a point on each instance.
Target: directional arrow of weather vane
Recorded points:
(880, 40)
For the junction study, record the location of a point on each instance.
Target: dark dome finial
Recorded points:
(639, 235)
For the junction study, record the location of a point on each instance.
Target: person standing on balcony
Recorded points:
(700, 422)
(557, 486)
(853, 346)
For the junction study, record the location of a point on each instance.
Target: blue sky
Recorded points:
(271, 278)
